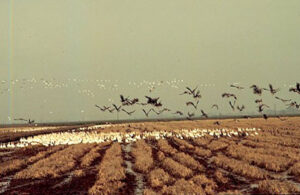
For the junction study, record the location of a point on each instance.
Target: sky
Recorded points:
(199, 41)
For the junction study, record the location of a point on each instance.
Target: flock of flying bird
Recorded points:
(196, 95)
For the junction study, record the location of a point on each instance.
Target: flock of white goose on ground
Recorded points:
(83, 136)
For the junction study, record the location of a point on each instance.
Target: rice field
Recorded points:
(244, 156)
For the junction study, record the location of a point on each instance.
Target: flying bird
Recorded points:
(256, 89)
(189, 91)
(129, 113)
(190, 115)
(29, 121)
(102, 109)
(215, 106)
(204, 114)
(240, 108)
(272, 90)
(294, 104)
(261, 107)
(192, 104)
(147, 113)
(258, 101)
(232, 105)
(228, 95)
(283, 100)
(238, 87)
(265, 116)
(296, 89)
(178, 112)
(118, 109)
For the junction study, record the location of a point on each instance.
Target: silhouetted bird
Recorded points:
(178, 112)
(261, 107)
(190, 115)
(296, 89)
(256, 90)
(271, 89)
(147, 113)
(258, 101)
(265, 116)
(240, 108)
(294, 104)
(204, 114)
(238, 87)
(29, 121)
(102, 109)
(228, 95)
(192, 104)
(232, 105)
(189, 91)
(129, 113)
(118, 109)
(283, 100)
(197, 95)
(215, 106)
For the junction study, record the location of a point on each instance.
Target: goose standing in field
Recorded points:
(192, 104)
(215, 106)
(189, 91)
(283, 100)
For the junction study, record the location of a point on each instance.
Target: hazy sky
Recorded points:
(212, 41)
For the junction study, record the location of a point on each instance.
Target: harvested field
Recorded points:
(180, 157)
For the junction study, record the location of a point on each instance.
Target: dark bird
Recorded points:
(265, 116)
(127, 101)
(29, 121)
(240, 108)
(147, 113)
(189, 91)
(158, 113)
(102, 109)
(256, 90)
(118, 109)
(238, 87)
(178, 112)
(190, 115)
(283, 100)
(228, 95)
(165, 110)
(204, 114)
(111, 110)
(192, 104)
(272, 90)
(153, 101)
(296, 89)
(129, 113)
(258, 101)
(261, 107)
(232, 105)
(124, 100)
(197, 95)
(215, 106)
(294, 104)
